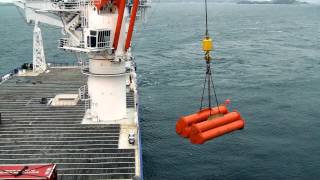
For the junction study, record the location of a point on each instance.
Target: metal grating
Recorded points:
(31, 132)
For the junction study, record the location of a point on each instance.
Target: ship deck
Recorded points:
(32, 133)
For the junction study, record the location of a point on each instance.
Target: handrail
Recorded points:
(9, 75)
(66, 5)
(73, 64)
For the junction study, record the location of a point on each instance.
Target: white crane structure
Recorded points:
(101, 30)
(39, 59)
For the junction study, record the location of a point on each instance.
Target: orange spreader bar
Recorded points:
(208, 124)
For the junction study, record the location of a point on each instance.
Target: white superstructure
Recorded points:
(100, 29)
(99, 33)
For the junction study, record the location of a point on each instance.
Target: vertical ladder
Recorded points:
(84, 13)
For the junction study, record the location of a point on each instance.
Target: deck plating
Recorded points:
(32, 132)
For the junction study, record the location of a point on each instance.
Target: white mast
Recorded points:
(39, 60)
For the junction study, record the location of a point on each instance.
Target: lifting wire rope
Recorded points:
(209, 122)
(207, 47)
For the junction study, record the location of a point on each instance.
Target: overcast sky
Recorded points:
(311, 1)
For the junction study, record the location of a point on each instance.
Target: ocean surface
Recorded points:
(267, 61)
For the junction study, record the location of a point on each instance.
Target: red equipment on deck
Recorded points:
(28, 172)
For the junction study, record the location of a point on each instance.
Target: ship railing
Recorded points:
(93, 2)
(5, 77)
(129, 3)
(83, 93)
(9, 75)
(141, 3)
(101, 46)
(84, 96)
(144, 5)
(83, 62)
(84, 12)
(63, 42)
(81, 44)
(63, 65)
(65, 5)
(85, 70)
(87, 104)
(60, 104)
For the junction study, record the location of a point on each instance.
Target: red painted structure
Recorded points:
(121, 7)
(132, 22)
(28, 172)
(100, 3)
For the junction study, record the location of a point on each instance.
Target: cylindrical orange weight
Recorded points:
(210, 124)
(200, 116)
(200, 138)
(186, 132)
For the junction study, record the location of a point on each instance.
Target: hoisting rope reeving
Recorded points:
(207, 47)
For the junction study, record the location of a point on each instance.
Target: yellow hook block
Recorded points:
(207, 44)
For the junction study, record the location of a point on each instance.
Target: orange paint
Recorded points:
(201, 138)
(186, 132)
(210, 124)
(121, 7)
(187, 121)
(100, 4)
(132, 22)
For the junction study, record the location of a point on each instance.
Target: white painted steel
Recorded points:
(108, 78)
(39, 59)
(32, 15)
(107, 93)
(104, 67)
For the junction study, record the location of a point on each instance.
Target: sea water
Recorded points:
(266, 61)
